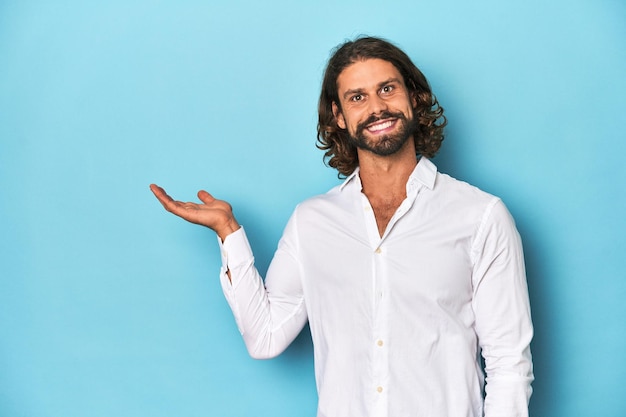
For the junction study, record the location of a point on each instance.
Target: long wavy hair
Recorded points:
(340, 153)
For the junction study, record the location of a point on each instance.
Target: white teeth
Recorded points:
(380, 126)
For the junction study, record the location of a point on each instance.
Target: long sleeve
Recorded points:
(269, 318)
(502, 311)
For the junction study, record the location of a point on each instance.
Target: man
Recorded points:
(405, 275)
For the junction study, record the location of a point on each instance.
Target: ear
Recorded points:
(414, 99)
(341, 122)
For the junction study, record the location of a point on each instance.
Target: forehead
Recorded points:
(365, 74)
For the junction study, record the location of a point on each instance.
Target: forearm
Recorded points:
(267, 320)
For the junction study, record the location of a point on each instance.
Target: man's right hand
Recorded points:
(212, 213)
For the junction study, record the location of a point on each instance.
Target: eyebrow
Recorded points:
(379, 86)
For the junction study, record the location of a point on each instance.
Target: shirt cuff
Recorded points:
(235, 250)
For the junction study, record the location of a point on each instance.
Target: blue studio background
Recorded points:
(109, 306)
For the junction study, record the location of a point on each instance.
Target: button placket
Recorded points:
(379, 330)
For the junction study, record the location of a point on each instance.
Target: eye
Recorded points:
(356, 98)
(387, 89)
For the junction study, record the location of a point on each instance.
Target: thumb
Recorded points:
(205, 197)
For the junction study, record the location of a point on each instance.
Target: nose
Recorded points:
(377, 105)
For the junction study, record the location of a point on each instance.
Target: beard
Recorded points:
(388, 144)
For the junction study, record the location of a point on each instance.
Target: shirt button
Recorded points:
(378, 250)
(379, 389)
(379, 343)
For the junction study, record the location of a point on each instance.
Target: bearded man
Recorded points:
(405, 275)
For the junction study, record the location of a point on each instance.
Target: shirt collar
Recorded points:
(425, 173)
(350, 177)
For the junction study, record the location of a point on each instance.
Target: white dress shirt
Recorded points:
(398, 322)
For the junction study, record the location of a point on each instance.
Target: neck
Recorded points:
(386, 176)
(384, 183)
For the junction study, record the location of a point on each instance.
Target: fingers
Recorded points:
(175, 207)
(187, 211)
(180, 207)
(212, 213)
(162, 196)
(159, 193)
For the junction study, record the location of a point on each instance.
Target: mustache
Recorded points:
(384, 115)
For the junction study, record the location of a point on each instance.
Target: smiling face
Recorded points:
(375, 106)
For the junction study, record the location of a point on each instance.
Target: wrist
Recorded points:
(227, 229)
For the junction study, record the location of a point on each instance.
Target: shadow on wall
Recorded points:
(301, 349)
(543, 344)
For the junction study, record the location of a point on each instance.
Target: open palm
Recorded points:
(211, 212)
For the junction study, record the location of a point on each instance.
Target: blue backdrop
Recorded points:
(111, 307)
